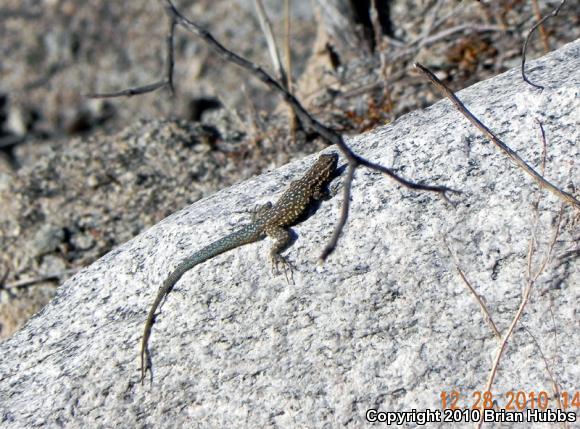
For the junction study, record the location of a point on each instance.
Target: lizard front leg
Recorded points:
(260, 211)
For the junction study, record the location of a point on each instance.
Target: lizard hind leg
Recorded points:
(282, 239)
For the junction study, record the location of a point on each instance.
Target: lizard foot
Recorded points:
(287, 266)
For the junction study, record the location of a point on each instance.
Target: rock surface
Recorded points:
(386, 323)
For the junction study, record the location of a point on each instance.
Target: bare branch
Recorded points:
(288, 58)
(11, 140)
(130, 91)
(548, 257)
(525, 299)
(170, 56)
(543, 33)
(270, 41)
(377, 29)
(544, 145)
(543, 183)
(525, 47)
(504, 341)
(43, 278)
(421, 42)
(167, 81)
(287, 50)
(555, 384)
(282, 73)
(482, 306)
(536, 203)
(441, 190)
(458, 29)
(568, 255)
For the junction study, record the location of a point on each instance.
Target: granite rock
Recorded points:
(385, 323)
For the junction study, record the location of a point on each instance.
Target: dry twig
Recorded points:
(384, 68)
(525, 47)
(270, 41)
(288, 58)
(421, 42)
(555, 385)
(543, 33)
(525, 299)
(166, 82)
(19, 284)
(478, 298)
(543, 183)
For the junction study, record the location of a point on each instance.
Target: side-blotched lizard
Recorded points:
(270, 220)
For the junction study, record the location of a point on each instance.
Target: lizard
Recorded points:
(272, 220)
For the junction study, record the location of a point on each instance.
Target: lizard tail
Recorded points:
(243, 236)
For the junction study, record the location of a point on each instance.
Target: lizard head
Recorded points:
(325, 165)
(321, 172)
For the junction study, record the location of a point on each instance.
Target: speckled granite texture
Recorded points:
(386, 323)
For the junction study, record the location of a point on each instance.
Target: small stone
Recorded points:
(92, 181)
(47, 239)
(82, 242)
(52, 264)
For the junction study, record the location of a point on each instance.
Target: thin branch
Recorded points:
(270, 41)
(442, 190)
(544, 145)
(167, 81)
(543, 33)
(421, 42)
(384, 69)
(482, 306)
(287, 50)
(2, 280)
(138, 90)
(43, 278)
(536, 203)
(430, 19)
(377, 29)
(415, 45)
(548, 257)
(525, 47)
(456, 10)
(459, 29)
(169, 60)
(288, 66)
(543, 183)
(555, 384)
(524, 302)
(569, 254)
(505, 339)
(367, 87)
